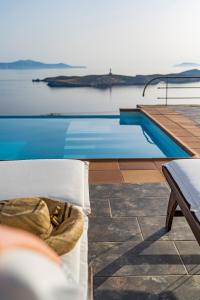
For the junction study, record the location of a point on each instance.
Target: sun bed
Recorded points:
(60, 179)
(183, 177)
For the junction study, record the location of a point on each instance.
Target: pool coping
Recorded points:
(159, 113)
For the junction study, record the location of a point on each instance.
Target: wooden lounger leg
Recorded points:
(172, 205)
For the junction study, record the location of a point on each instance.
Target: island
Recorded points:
(32, 64)
(187, 65)
(110, 80)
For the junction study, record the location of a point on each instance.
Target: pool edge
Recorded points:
(177, 139)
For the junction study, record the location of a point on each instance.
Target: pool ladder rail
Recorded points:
(170, 79)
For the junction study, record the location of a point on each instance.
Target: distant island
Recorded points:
(110, 80)
(32, 64)
(187, 65)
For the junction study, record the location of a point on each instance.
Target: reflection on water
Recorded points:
(18, 95)
(83, 138)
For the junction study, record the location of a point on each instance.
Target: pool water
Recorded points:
(130, 135)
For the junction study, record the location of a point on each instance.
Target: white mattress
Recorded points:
(28, 274)
(64, 179)
(186, 173)
(60, 179)
(79, 271)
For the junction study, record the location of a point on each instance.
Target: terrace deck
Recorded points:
(126, 171)
(132, 255)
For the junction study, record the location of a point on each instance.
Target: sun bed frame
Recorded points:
(177, 199)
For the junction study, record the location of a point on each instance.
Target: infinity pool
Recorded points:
(130, 135)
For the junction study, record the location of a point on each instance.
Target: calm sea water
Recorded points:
(19, 96)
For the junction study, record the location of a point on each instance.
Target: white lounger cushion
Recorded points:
(63, 179)
(186, 173)
(25, 274)
(76, 263)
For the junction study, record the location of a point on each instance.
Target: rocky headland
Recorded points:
(111, 80)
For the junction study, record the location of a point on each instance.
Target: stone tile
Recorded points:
(104, 165)
(180, 133)
(177, 118)
(153, 228)
(133, 259)
(190, 254)
(100, 208)
(182, 120)
(197, 153)
(160, 163)
(166, 110)
(147, 288)
(194, 145)
(162, 119)
(102, 254)
(97, 249)
(137, 165)
(130, 191)
(187, 288)
(188, 125)
(153, 111)
(108, 176)
(142, 176)
(185, 120)
(190, 139)
(170, 125)
(100, 191)
(194, 132)
(136, 206)
(103, 229)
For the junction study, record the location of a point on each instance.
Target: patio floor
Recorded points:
(192, 111)
(131, 254)
(126, 171)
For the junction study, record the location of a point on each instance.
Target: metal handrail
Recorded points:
(167, 78)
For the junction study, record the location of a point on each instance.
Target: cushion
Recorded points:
(186, 173)
(63, 179)
(28, 275)
(58, 179)
(79, 254)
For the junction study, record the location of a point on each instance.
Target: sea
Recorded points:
(20, 96)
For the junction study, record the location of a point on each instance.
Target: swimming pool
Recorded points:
(130, 135)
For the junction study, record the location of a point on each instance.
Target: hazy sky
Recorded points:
(138, 36)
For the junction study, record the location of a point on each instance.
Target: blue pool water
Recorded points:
(130, 135)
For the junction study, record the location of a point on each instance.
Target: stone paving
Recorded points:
(133, 257)
(192, 112)
(131, 254)
(126, 171)
(183, 129)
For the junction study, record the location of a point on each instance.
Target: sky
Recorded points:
(131, 36)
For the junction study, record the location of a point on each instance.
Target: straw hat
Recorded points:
(58, 223)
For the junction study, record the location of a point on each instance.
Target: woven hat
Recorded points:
(58, 223)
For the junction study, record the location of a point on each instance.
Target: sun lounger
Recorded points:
(183, 177)
(60, 179)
